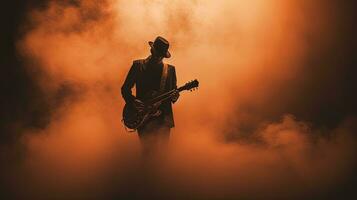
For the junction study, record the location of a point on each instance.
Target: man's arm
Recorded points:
(129, 84)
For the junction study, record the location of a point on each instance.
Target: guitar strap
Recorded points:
(163, 77)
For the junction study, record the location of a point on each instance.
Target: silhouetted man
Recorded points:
(152, 74)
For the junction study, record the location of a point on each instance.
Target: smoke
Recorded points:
(233, 137)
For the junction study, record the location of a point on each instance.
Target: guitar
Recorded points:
(136, 116)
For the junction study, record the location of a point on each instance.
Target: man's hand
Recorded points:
(175, 96)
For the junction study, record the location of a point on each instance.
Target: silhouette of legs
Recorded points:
(154, 139)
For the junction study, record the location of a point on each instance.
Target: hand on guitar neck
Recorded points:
(175, 96)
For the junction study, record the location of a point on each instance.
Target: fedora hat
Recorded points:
(161, 45)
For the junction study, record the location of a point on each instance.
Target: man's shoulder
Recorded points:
(138, 62)
(172, 67)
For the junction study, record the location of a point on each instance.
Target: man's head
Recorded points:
(159, 49)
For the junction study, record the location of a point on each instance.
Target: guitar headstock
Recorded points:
(191, 85)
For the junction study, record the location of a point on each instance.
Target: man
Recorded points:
(148, 75)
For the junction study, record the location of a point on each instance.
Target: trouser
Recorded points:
(154, 138)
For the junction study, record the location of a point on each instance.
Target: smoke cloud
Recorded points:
(236, 137)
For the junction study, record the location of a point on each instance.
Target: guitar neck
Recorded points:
(165, 96)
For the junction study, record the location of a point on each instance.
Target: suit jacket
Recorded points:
(147, 77)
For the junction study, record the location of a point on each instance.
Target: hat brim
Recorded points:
(167, 55)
